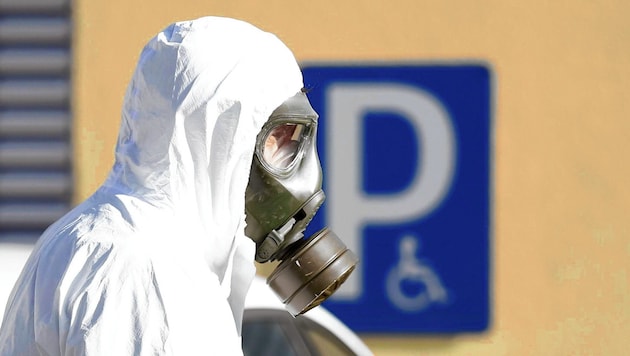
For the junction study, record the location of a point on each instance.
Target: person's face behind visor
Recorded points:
(281, 145)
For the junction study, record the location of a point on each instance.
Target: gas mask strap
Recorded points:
(274, 239)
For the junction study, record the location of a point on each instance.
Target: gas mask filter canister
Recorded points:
(283, 195)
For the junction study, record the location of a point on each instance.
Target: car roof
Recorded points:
(260, 296)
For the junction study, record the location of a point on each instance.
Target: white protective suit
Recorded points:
(156, 261)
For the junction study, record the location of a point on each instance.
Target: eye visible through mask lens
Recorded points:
(282, 145)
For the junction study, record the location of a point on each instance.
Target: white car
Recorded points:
(268, 329)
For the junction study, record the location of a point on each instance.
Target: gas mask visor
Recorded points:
(283, 145)
(281, 199)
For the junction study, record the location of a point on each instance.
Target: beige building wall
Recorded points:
(561, 248)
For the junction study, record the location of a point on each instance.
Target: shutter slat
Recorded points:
(34, 62)
(30, 124)
(30, 185)
(24, 155)
(21, 215)
(27, 31)
(34, 93)
(33, 6)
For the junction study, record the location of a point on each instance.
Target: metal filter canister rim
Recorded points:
(313, 273)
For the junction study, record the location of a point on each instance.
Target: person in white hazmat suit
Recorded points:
(156, 261)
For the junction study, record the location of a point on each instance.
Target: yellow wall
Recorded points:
(561, 233)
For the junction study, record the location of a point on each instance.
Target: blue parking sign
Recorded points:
(406, 154)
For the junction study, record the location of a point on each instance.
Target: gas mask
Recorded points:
(283, 195)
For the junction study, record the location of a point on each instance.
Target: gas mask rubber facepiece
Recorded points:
(283, 195)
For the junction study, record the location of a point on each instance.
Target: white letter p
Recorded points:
(349, 208)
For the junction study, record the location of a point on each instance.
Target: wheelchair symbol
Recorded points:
(409, 271)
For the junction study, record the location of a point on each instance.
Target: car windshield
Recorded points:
(261, 338)
(275, 332)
